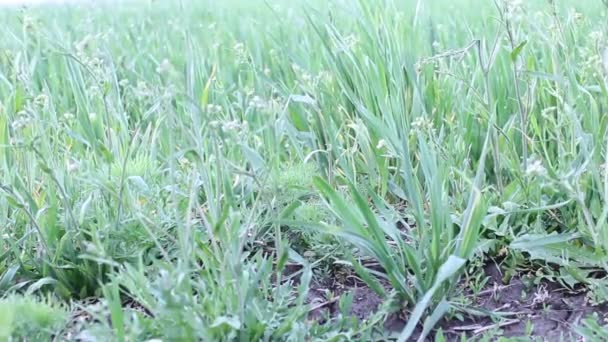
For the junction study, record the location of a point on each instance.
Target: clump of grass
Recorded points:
(28, 317)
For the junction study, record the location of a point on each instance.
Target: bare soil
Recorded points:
(546, 311)
(365, 300)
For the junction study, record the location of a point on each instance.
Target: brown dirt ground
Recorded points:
(365, 301)
(551, 310)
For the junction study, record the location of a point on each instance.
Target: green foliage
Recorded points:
(27, 317)
(591, 329)
(196, 167)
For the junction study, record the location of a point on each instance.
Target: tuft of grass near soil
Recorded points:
(304, 170)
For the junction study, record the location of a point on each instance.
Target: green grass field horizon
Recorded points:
(299, 171)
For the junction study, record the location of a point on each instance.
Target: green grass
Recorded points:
(165, 166)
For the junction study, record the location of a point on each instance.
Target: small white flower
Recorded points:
(213, 108)
(351, 41)
(240, 53)
(514, 4)
(535, 168)
(23, 119)
(381, 144)
(84, 43)
(605, 59)
(233, 125)
(142, 89)
(95, 63)
(72, 166)
(184, 162)
(41, 100)
(604, 167)
(514, 8)
(164, 67)
(239, 47)
(258, 103)
(28, 22)
(325, 76)
(17, 124)
(422, 123)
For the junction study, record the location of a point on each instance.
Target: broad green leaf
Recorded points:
(39, 284)
(450, 268)
(517, 50)
(253, 157)
(367, 277)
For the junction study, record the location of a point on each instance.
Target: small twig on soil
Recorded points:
(497, 325)
(478, 328)
(494, 290)
(318, 306)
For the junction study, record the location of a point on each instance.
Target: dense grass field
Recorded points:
(304, 171)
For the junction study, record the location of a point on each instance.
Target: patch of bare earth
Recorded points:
(546, 310)
(325, 294)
